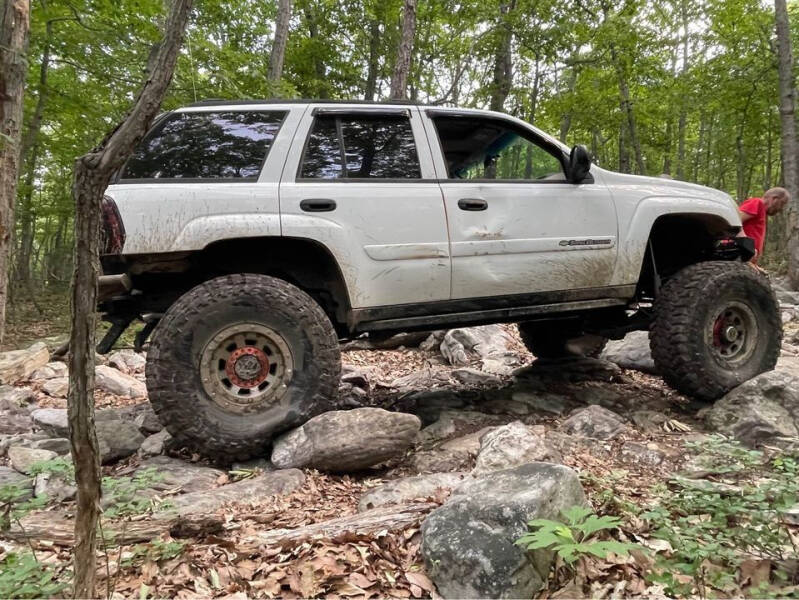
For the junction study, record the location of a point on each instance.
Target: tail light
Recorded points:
(112, 232)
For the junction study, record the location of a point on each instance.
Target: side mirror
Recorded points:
(579, 164)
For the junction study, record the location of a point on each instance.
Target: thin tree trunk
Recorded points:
(566, 118)
(374, 57)
(14, 32)
(93, 172)
(399, 81)
(311, 19)
(629, 112)
(279, 43)
(681, 126)
(667, 151)
(503, 61)
(788, 145)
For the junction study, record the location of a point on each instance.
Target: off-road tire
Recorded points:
(173, 371)
(682, 335)
(545, 340)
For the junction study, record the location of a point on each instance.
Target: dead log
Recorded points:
(364, 524)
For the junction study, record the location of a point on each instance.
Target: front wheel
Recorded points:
(717, 324)
(238, 359)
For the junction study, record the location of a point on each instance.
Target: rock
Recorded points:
(15, 395)
(117, 439)
(594, 422)
(451, 422)
(60, 446)
(468, 543)
(14, 418)
(433, 341)
(441, 461)
(632, 352)
(56, 488)
(475, 377)
(648, 421)
(127, 361)
(542, 401)
(147, 421)
(787, 296)
(569, 445)
(349, 440)
(512, 445)
(9, 477)
(155, 444)
(53, 421)
(574, 370)
(254, 464)
(50, 371)
(429, 406)
(355, 376)
(758, 410)
(468, 444)
(22, 458)
(467, 345)
(22, 439)
(173, 473)
(19, 364)
(640, 453)
(424, 379)
(408, 489)
(115, 382)
(57, 387)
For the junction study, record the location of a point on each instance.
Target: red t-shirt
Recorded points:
(755, 227)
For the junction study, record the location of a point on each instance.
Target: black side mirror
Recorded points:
(579, 164)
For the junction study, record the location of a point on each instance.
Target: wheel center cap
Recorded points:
(730, 334)
(247, 367)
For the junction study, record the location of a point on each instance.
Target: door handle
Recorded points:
(472, 204)
(318, 205)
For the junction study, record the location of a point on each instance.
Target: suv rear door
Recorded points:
(360, 181)
(516, 225)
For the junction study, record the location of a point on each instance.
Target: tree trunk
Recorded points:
(279, 43)
(399, 81)
(681, 127)
(667, 150)
(566, 118)
(788, 139)
(311, 18)
(503, 61)
(93, 172)
(374, 57)
(14, 31)
(629, 112)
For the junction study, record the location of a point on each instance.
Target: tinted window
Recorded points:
(477, 148)
(205, 145)
(361, 147)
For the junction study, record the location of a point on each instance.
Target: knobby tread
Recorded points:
(677, 344)
(173, 391)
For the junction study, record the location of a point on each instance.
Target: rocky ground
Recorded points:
(443, 449)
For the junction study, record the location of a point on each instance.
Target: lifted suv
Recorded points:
(251, 237)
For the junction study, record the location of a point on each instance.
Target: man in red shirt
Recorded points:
(755, 212)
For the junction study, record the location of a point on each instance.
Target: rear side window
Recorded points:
(206, 145)
(360, 147)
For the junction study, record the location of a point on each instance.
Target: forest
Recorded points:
(652, 455)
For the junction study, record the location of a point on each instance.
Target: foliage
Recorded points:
(60, 467)
(15, 504)
(714, 527)
(578, 537)
(126, 497)
(156, 550)
(22, 576)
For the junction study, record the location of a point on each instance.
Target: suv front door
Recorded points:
(358, 181)
(516, 225)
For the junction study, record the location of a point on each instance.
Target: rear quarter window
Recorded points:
(224, 145)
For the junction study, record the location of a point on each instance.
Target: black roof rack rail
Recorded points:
(221, 102)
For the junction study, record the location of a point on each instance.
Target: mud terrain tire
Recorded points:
(238, 359)
(547, 340)
(717, 324)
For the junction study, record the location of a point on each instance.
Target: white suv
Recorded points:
(251, 237)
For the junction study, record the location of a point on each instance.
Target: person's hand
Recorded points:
(757, 268)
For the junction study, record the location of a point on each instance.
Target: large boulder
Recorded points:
(465, 346)
(117, 439)
(408, 489)
(468, 543)
(23, 458)
(348, 440)
(14, 417)
(10, 477)
(53, 421)
(632, 352)
(512, 445)
(127, 361)
(759, 410)
(50, 371)
(155, 444)
(57, 387)
(175, 474)
(118, 383)
(19, 364)
(594, 422)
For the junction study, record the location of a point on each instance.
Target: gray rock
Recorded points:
(155, 444)
(451, 422)
(19, 364)
(117, 439)
(56, 488)
(787, 296)
(759, 410)
(464, 346)
(468, 543)
(424, 379)
(11, 395)
(9, 477)
(649, 421)
(594, 422)
(569, 445)
(346, 440)
(475, 377)
(573, 370)
(441, 461)
(60, 446)
(408, 489)
(254, 464)
(147, 421)
(50, 371)
(640, 453)
(14, 418)
(22, 458)
(542, 401)
(22, 439)
(53, 421)
(510, 446)
(179, 475)
(127, 361)
(355, 376)
(57, 387)
(433, 341)
(468, 444)
(632, 352)
(115, 382)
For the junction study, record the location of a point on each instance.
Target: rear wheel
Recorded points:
(238, 359)
(554, 340)
(717, 324)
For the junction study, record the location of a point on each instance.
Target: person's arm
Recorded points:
(745, 216)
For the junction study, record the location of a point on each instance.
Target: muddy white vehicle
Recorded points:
(252, 237)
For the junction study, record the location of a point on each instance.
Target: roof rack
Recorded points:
(221, 102)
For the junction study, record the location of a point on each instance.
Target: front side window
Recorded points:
(360, 147)
(479, 148)
(206, 145)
